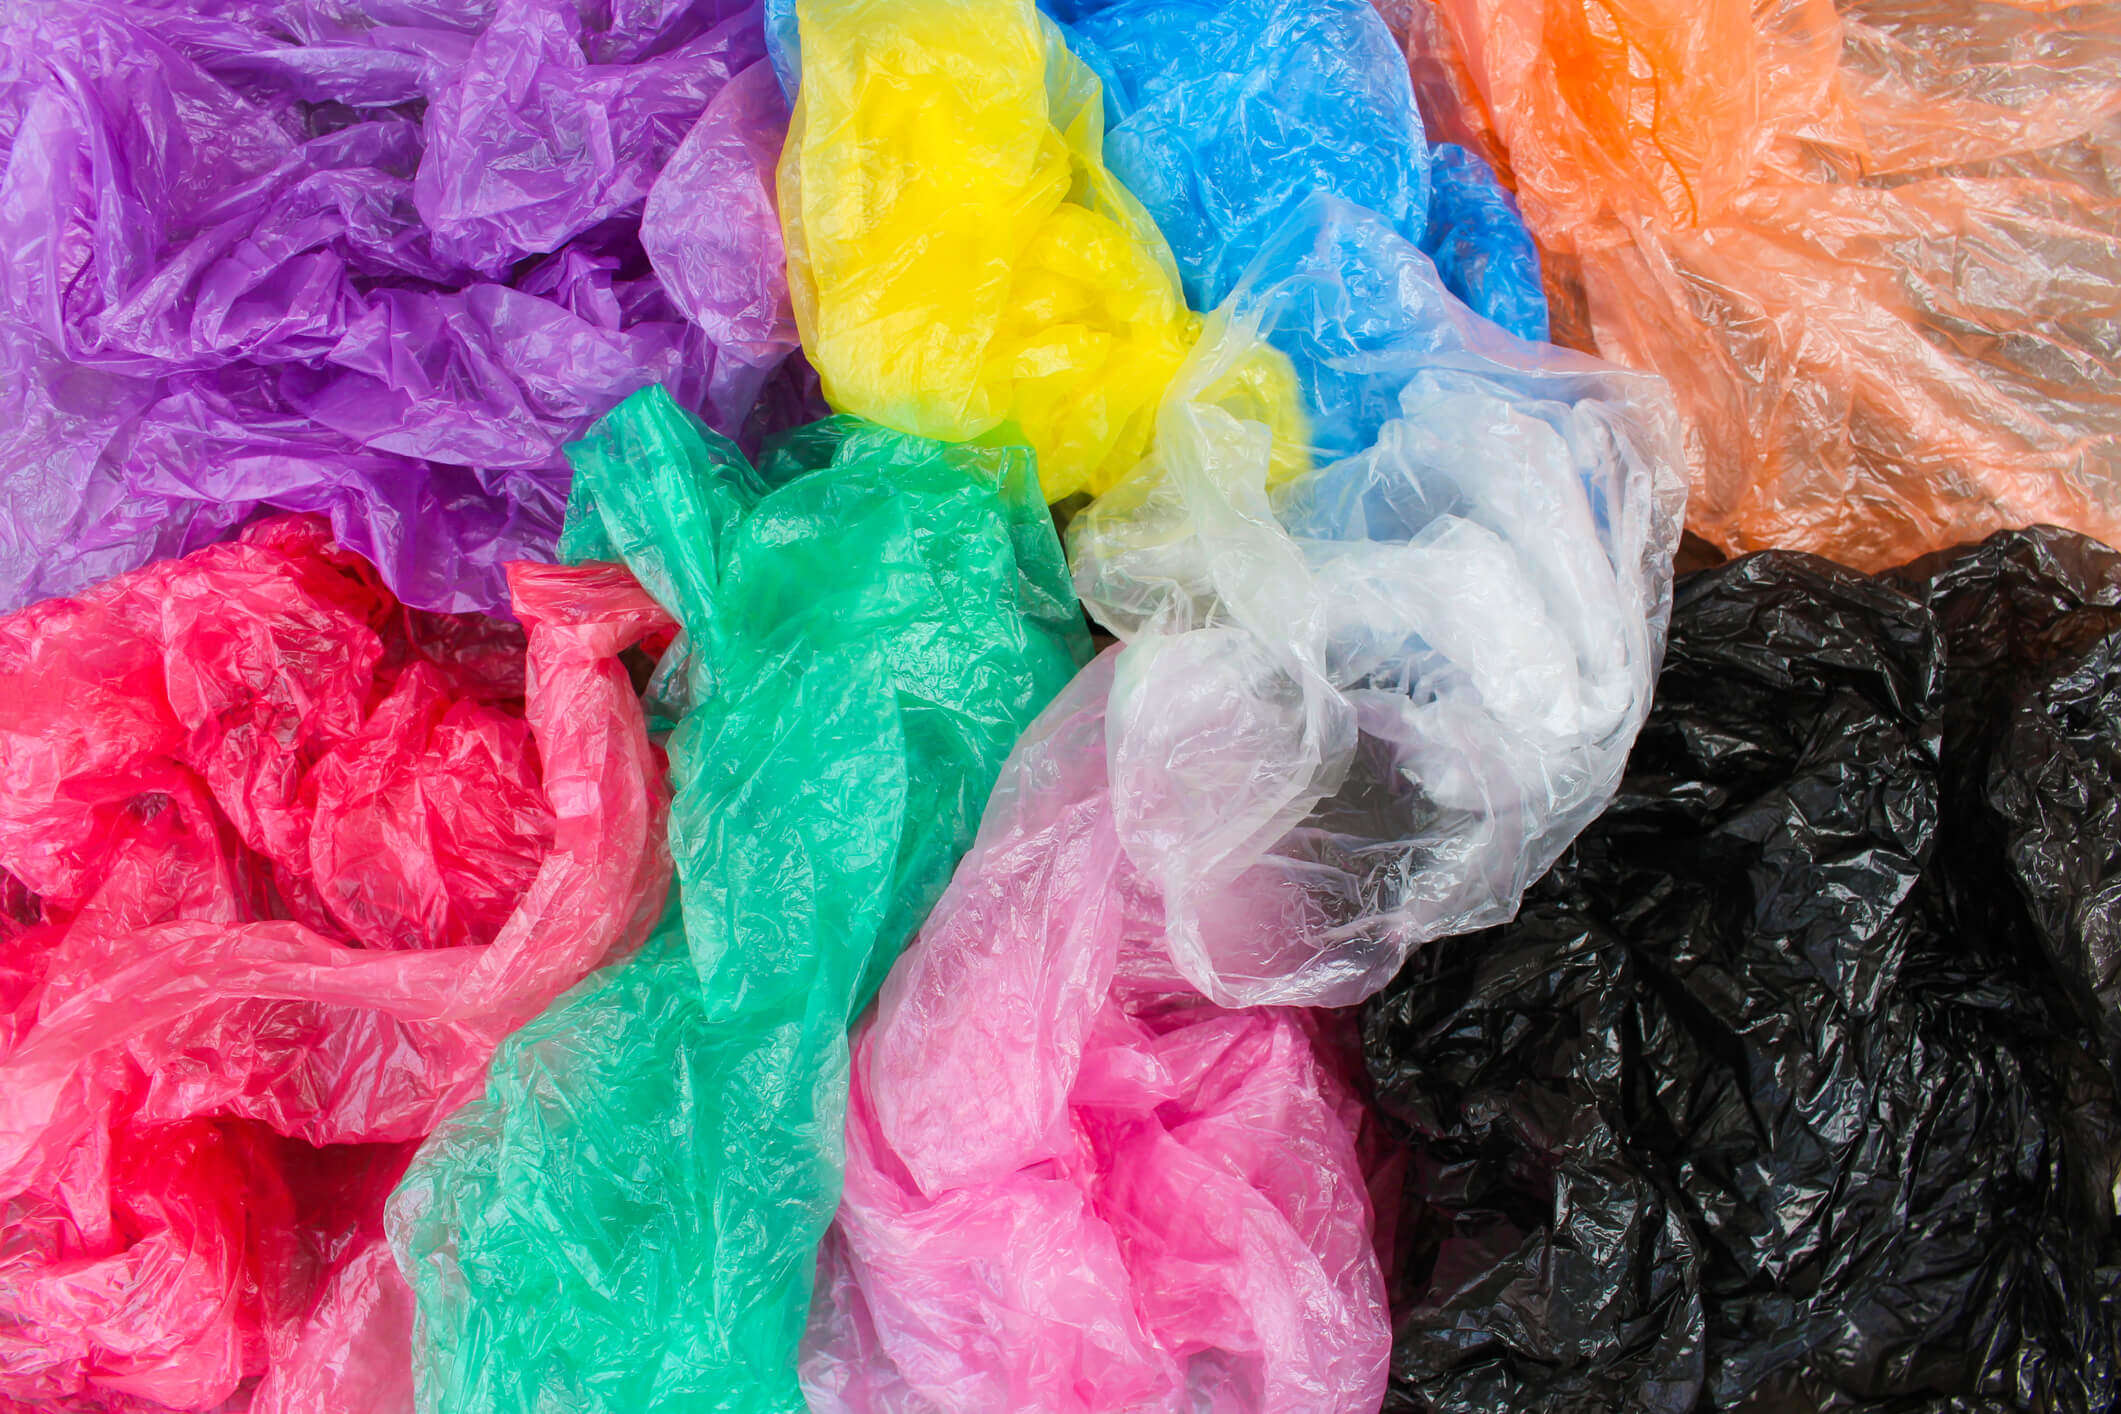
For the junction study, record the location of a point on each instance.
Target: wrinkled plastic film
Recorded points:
(1871, 246)
(214, 305)
(1225, 118)
(1809, 962)
(960, 260)
(870, 618)
(1405, 677)
(285, 860)
(1072, 1186)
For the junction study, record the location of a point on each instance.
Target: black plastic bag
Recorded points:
(1791, 1086)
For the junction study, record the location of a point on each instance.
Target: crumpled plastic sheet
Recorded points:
(1364, 707)
(961, 261)
(283, 860)
(872, 619)
(371, 260)
(1873, 246)
(1222, 118)
(1071, 1184)
(1791, 1086)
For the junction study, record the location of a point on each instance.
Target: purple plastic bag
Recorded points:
(380, 259)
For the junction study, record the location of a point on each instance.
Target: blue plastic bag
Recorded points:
(1223, 118)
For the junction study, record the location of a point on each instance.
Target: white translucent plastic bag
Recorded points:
(1366, 706)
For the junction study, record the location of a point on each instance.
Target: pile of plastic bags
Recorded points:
(940, 706)
(1792, 1085)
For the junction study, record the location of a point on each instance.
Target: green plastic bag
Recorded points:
(628, 1220)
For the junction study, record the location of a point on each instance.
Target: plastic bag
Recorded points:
(1483, 252)
(1071, 1185)
(1770, 1097)
(283, 861)
(1223, 118)
(959, 258)
(1873, 250)
(871, 619)
(1366, 707)
(381, 265)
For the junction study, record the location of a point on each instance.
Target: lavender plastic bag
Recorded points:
(376, 261)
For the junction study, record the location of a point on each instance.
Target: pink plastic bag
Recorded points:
(283, 862)
(1073, 1185)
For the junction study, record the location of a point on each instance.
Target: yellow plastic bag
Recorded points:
(959, 257)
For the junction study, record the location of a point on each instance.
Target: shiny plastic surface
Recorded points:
(960, 259)
(1225, 117)
(1873, 247)
(1365, 707)
(373, 260)
(871, 620)
(1071, 1184)
(1789, 1088)
(283, 861)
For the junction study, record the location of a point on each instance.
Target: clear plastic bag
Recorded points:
(1364, 705)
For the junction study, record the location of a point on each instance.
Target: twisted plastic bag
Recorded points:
(380, 263)
(1071, 1185)
(1364, 708)
(1224, 117)
(1874, 248)
(871, 620)
(283, 861)
(960, 259)
(1790, 1087)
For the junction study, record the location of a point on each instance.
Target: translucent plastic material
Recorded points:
(283, 861)
(1874, 251)
(380, 262)
(1224, 117)
(959, 257)
(629, 1219)
(1364, 709)
(1071, 1185)
(1480, 245)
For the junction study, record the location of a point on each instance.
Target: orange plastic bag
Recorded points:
(1875, 250)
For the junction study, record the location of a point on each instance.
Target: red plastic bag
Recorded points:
(1873, 247)
(283, 860)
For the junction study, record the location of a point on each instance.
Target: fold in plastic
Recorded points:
(381, 264)
(283, 862)
(960, 260)
(1071, 1184)
(1873, 246)
(1364, 707)
(1222, 118)
(629, 1218)
(1791, 1086)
